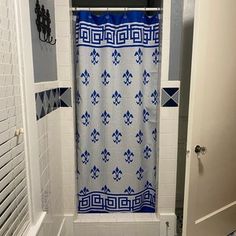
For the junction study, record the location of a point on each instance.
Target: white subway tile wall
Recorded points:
(14, 210)
(44, 161)
(49, 134)
(59, 194)
(65, 77)
(168, 146)
(49, 139)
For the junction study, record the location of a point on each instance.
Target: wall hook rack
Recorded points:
(43, 23)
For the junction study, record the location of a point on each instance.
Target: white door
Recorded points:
(210, 188)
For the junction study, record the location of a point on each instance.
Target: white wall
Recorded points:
(48, 127)
(175, 39)
(51, 169)
(66, 78)
(60, 127)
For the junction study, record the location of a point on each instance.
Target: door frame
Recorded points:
(26, 70)
(192, 96)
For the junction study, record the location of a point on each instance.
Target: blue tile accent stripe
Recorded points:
(50, 100)
(170, 97)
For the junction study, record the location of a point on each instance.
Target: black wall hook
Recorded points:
(43, 23)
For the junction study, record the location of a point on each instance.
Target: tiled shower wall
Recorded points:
(50, 166)
(44, 60)
(55, 121)
(168, 135)
(65, 77)
(51, 97)
(48, 104)
(51, 104)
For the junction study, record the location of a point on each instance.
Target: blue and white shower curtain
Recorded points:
(117, 97)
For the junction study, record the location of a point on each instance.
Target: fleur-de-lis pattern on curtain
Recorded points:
(117, 102)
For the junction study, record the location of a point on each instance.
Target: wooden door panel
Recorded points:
(211, 178)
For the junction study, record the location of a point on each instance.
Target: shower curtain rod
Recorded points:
(115, 9)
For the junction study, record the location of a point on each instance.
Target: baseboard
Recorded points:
(33, 230)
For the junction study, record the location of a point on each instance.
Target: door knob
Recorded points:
(200, 150)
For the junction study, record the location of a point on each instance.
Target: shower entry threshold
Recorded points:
(118, 217)
(117, 224)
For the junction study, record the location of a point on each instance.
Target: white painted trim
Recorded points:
(29, 110)
(215, 212)
(34, 229)
(190, 121)
(75, 199)
(170, 84)
(164, 82)
(42, 86)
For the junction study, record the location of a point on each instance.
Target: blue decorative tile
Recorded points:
(56, 101)
(50, 100)
(43, 113)
(170, 97)
(39, 105)
(65, 97)
(40, 111)
(171, 91)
